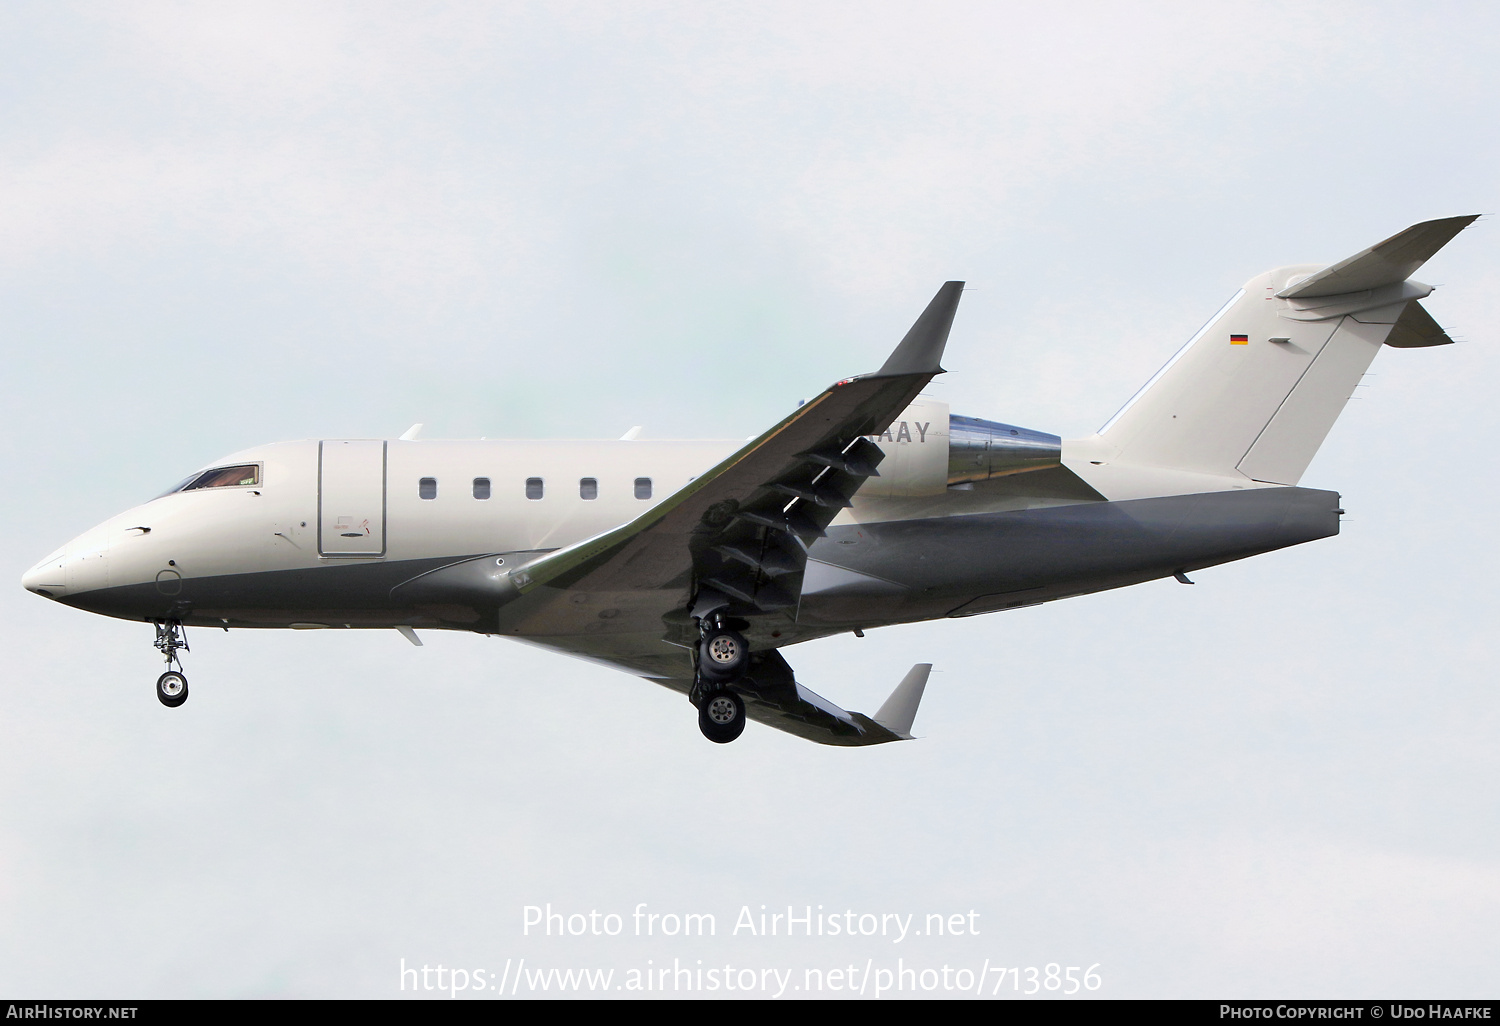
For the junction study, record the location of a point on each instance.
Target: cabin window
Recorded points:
(427, 488)
(533, 488)
(643, 488)
(481, 488)
(226, 477)
(588, 488)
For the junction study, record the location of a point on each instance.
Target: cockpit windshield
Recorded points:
(226, 477)
(242, 476)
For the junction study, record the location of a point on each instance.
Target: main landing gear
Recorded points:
(723, 658)
(172, 686)
(723, 655)
(721, 716)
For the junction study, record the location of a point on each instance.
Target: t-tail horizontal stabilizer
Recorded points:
(774, 698)
(1385, 263)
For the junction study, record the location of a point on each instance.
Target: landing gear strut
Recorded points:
(172, 686)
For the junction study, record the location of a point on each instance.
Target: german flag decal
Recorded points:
(1239, 340)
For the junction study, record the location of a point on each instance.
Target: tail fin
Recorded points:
(1254, 393)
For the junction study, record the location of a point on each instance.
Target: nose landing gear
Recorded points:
(171, 689)
(172, 686)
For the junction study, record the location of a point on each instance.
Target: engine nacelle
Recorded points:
(982, 449)
(927, 450)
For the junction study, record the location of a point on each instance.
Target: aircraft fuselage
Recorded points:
(340, 533)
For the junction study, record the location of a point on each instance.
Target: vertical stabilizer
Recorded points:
(1253, 394)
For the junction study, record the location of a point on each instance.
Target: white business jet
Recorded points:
(693, 564)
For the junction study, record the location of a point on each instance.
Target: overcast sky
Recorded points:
(223, 225)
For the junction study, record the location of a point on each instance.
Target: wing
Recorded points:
(732, 543)
(773, 697)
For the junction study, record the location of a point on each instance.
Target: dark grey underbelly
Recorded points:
(954, 566)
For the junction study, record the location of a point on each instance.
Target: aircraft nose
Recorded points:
(48, 578)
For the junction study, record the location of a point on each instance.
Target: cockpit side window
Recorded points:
(179, 486)
(226, 477)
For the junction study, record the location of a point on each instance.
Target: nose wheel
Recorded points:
(172, 686)
(171, 689)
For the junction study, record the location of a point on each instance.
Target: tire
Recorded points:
(171, 689)
(721, 716)
(723, 656)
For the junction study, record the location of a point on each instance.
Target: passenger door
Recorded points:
(351, 498)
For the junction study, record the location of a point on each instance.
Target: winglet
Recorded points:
(922, 349)
(1385, 263)
(900, 710)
